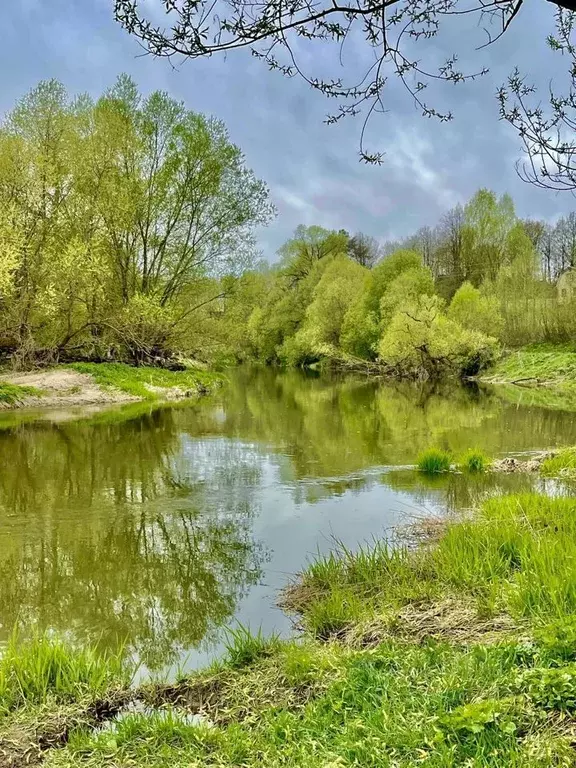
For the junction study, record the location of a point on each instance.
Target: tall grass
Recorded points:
(34, 671)
(434, 460)
(563, 463)
(474, 460)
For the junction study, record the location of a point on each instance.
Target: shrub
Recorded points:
(434, 460)
(475, 312)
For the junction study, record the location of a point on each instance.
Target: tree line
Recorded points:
(443, 301)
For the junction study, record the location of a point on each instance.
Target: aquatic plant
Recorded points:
(434, 460)
(474, 460)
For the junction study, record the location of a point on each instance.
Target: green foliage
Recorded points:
(552, 688)
(434, 460)
(475, 312)
(474, 460)
(561, 464)
(336, 290)
(118, 218)
(557, 639)
(405, 291)
(11, 394)
(421, 342)
(479, 716)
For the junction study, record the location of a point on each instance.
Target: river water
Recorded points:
(159, 527)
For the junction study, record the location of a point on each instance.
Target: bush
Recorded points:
(434, 460)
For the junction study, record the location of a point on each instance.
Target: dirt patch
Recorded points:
(448, 619)
(25, 743)
(62, 387)
(533, 464)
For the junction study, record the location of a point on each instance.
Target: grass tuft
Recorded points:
(473, 461)
(434, 460)
(44, 668)
(10, 394)
(244, 647)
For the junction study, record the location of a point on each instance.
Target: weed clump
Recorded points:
(433, 461)
(46, 668)
(474, 461)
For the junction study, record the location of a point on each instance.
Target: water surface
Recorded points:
(159, 527)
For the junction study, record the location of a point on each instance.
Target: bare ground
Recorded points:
(62, 387)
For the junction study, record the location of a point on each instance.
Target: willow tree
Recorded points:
(128, 212)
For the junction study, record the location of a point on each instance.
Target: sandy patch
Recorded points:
(63, 387)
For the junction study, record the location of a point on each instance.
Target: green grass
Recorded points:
(434, 460)
(11, 394)
(458, 654)
(474, 460)
(43, 669)
(544, 363)
(137, 381)
(563, 463)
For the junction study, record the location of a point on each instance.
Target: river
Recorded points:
(157, 527)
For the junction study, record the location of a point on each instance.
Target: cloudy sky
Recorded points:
(312, 169)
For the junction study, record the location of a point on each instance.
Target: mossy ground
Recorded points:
(456, 653)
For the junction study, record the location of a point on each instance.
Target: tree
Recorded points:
(488, 224)
(308, 246)
(392, 30)
(364, 249)
(422, 343)
(115, 216)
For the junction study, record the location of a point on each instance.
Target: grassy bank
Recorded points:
(545, 364)
(148, 383)
(460, 653)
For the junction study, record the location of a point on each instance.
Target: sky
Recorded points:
(312, 169)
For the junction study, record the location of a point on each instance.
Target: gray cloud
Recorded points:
(312, 169)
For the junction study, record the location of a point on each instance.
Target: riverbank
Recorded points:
(101, 384)
(538, 365)
(460, 651)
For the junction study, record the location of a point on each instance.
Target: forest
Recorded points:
(127, 234)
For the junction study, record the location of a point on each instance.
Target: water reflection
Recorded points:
(157, 527)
